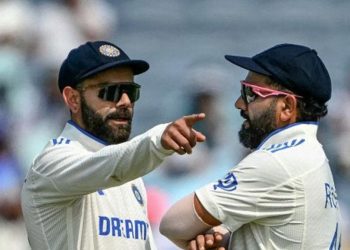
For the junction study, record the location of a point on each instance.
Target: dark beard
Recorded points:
(258, 128)
(99, 128)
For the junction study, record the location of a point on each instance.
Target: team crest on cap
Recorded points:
(109, 50)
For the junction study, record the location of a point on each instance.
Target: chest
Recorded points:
(118, 212)
(128, 200)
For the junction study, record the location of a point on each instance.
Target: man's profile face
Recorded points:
(255, 129)
(108, 120)
(260, 115)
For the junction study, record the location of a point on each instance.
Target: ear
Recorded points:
(288, 112)
(72, 99)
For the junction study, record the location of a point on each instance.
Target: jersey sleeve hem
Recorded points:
(208, 204)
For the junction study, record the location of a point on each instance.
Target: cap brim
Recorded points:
(247, 63)
(137, 66)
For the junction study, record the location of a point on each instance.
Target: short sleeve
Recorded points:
(258, 189)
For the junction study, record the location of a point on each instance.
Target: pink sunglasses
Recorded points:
(249, 92)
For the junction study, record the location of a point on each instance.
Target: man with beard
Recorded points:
(84, 190)
(282, 195)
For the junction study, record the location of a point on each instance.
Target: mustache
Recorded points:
(244, 115)
(124, 114)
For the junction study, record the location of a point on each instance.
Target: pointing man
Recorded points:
(83, 190)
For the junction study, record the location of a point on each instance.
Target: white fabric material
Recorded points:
(281, 196)
(82, 194)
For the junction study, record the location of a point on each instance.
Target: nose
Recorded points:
(240, 104)
(124, 101)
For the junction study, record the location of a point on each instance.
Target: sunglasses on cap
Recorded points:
(113, 91)
(250, 91)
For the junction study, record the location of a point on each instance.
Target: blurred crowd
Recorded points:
(34, 40)
(35, 37)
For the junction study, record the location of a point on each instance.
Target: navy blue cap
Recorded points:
(296, 67)
(93, 57)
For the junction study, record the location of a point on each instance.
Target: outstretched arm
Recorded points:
(69, 170)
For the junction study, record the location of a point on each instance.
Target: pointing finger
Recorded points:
(192, 119)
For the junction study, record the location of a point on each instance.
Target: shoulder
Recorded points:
(61, 141)
(286, 144)
(259, 169)
(259, 161)
(297, 141)
(295, 155)
(62, 144)
(57, 149)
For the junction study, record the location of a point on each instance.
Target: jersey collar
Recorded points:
(290, 131)
(74, 131)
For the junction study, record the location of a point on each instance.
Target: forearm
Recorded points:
(143, 154)
(181, 223)
(74, 171)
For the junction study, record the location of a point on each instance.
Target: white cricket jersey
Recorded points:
(82, 194)
(281, 196)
